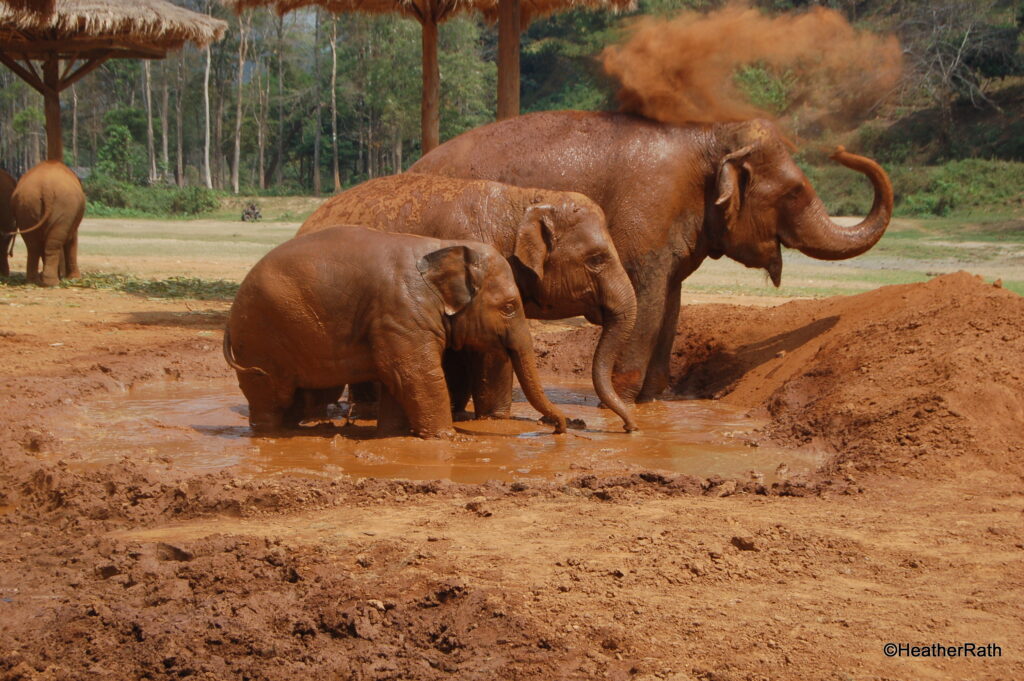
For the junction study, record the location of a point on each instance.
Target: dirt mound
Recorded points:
(920, 378)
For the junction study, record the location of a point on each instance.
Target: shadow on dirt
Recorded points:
(712, 375)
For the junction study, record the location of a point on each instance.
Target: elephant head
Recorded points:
(568, 266)
(483, 311)
(765, 201)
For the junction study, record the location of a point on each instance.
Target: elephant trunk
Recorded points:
(520, 351)
(815, 234)
(618, 317)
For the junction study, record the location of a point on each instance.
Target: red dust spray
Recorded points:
(682, 70)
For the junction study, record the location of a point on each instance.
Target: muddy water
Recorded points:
(203, 426)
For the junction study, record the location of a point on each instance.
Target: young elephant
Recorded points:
(351, 304)
(48, 205)
(557, 244)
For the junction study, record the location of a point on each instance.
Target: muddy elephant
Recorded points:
(48, 205)
(351, 304)
(7, 231)
(673, 196)
(557, 244)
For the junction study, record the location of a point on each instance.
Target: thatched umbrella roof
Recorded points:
(511, 15)
(91, 31)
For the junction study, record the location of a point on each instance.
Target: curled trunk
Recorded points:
(618, 317)
(815, 234)
(529, 381)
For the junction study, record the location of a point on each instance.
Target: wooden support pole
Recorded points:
(430, 111)
(51, 105)
(508, 58)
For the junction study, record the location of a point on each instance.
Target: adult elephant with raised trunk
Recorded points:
(673, 196)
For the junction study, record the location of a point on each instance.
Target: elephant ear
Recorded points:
(730, 181)
(534, 238)
(453, 273)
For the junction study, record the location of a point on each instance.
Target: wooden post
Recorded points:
(51, 104)
(430, 111)
(508, 58)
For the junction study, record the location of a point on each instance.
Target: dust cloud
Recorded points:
(682, 70)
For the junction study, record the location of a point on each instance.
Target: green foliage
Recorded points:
(28, 120)
(764, 89)
(120, 157)
(110, 197)
(964, 187)
(172, 287)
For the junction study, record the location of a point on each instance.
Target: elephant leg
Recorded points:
(271, 403)
(492, 385)
(658, 370)
(363, 401)
(391, 418)
(458, 376)
(5, 246)
(71, 257)
(35, 252)
(413, 377)
(631, 367)
(53, 255)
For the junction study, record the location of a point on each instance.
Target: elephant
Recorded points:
(557, 244)
(7, 230)
(48, 204)
(350, 304)
(673, 196)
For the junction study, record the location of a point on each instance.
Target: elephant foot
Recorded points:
(48, 283)
(462, 415)
(363, 411)
(74, 274)
(494, 415)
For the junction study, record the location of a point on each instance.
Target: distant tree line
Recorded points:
(313, 102)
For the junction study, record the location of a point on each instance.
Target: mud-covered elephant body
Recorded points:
(7, 229)
(48, 204)
(673, 196)
(351, 304)
(556, 243)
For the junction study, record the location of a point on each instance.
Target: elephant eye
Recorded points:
(596, 261)
(509, 309)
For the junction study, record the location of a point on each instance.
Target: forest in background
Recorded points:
(312, 102)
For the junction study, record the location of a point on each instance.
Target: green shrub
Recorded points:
(110, 197)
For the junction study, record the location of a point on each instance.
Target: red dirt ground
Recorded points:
(911, 533)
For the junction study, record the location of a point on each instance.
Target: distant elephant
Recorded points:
(673, 195)
(48, 206)
(561, 254)
(351, 304)
(7, 231)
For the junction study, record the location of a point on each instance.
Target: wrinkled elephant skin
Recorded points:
(673, 195)
(557, 244)
(350, 304)
(48, 206)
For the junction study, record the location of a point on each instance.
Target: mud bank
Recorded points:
(924, 379)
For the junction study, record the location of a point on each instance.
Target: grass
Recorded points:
(192, 288)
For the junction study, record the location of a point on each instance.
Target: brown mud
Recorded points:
(125, 564)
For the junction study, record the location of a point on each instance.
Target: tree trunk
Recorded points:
(165, 108)
(242, 44)
(508, 58)
(51, 106)
(206, 119)
(150, 143)
(74, 126)
(218, 145)
(430, 111)
(179, 136)
(334, 104)
(316, 93)
(279, 154)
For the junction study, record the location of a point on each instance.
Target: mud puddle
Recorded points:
(202, 426)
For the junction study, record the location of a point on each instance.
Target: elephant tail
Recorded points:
(229, 357)
(42, 221)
